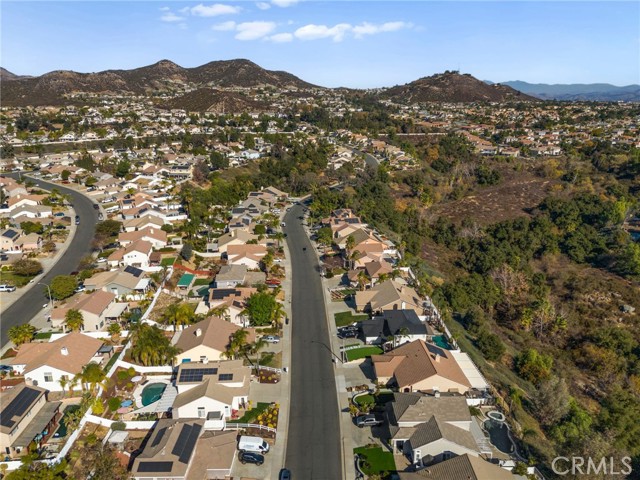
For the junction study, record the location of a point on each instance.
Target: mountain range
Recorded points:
(598, 92)
(209, 87)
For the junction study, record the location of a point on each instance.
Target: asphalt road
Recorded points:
(313, 442)
(30, 303)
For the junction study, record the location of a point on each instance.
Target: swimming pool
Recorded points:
(441, 341)
(152, 393)
(499, 435)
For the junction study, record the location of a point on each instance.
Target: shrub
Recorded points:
(118, 426)
(114, 403)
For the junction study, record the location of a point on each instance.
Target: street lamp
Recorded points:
(49, 290)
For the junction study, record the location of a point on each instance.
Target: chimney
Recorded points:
(437, 357)
(198, 332)
(64, 351)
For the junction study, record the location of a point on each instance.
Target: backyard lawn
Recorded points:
(375, 460)
(363, 352)
(167, 261)
(250, 415)
(347, 318)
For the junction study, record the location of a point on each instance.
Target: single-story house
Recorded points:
(398, 326)
(388, 295)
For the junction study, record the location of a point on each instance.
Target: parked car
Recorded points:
(96, 206)
(7, 288)
(80, 288)
(248, 443)
(285, 474)
(58, 214)
(250, 457)
(348, 334)
(271, 338)
(6, 368)
(367, 421)
(77, 219)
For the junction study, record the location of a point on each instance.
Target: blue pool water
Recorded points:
(441, 341)
(499, 435)
(152, 393)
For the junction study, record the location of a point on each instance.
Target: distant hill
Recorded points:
(6, 75)
(163, 76)
(453, 87)
(212, 100)
(600, 92)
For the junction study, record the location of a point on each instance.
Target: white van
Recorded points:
(253, 444)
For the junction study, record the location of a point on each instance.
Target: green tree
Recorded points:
(74, 320)
(63, 286)
(178, 314)
(21, 334)
(187, 251)
(151, 347)
(490, 345)
(551, 401)
(533, 366)
(92, 376)
(31, 227)
(237, 343)
(260, 308)
(65, 174)
(27, 267)
(122, 168)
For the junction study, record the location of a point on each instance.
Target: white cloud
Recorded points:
(366, 28)
(171, 17)
(164, 9)
(281, 37)
(254, 30)
(225, 26)
(284, 3)
(213, 10)
(263, 5)
(315, 32)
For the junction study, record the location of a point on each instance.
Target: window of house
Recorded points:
(204, 358)
(48, 377)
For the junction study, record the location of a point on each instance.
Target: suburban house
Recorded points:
(432, 428)
(249, 255)
(169, 451)
(142, 223)
(377, 268)
(45, 364)
(26, 416)
(397, 326)
(206, 340)
(211, 390)
(127, 281)
(235, 302)
(155, 236)
(135, 255)
(231, 276)
(31, 242)
(388, 295)
(234, 237)
(98, 309)
(10, 240)
(466, 467)
(420, 367)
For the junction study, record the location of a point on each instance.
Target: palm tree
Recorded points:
(74, 320)
(64, 381)
(151, 346)
(352, 259)
(277, 314)
(402, 332)
(21, 334)
(237, 343)
(221, 311)
(362, 279)
(279, 236)
(254, 349)
(178, 314)
(92, 375)
(350, 243)
(114, 330)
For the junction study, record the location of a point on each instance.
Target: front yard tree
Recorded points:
(92, 375)
(63, 286)
(260, 308)
(21, 334)
(74, 320)
(187, 251)
(151, 347)
(27, 267)
(178, 314)
(65, 174)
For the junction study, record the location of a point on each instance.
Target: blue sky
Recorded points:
(335, 43)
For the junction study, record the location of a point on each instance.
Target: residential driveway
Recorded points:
(314, 443)
(30, 304)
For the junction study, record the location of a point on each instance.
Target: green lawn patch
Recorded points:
(363, 352)
(167, 261)
(375, 460)
(201, 281)
(43, 335)
(111, 361)
(347, 318)
(381, 399)
(11, 278)
(250, 415)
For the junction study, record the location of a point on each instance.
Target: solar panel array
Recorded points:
(186, 442)
(225, 376)
(195, 374)
(18, 406)
(220, 293)
(158, 437)
(163, 467)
